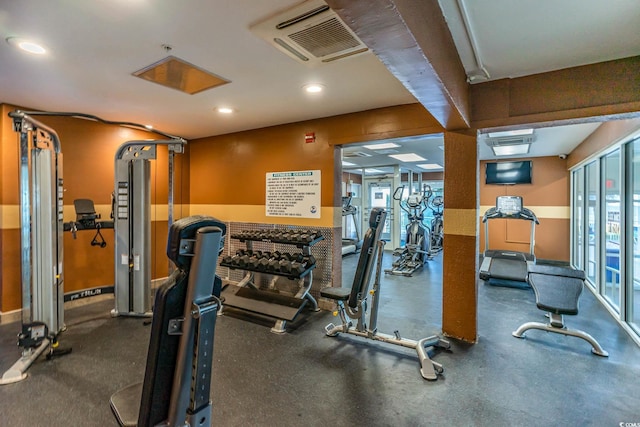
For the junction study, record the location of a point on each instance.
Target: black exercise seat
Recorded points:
(182, 333)
(336, 294)
(557, 291)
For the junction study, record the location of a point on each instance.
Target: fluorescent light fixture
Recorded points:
(408, 157)
(26, 45)
(347, 163)
(313, 88)
(383, 146)
(506, 133)
(430, 166)
(225, 110)
(373, 171)
(510, 150)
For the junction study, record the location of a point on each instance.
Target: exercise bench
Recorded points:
(557, 291)
(352, 302)
(177, 379)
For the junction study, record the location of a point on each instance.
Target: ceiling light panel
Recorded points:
(408, 157)
(430, 166)
(382, 146)
(178, 74)
(511, 150)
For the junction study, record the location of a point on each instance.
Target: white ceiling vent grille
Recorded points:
(510, 140)
(310, 33)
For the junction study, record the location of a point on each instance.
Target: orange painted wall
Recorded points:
(547, 196)
(88, 169)
(244, 158)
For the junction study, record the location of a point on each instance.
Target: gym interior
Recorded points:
(294, 330)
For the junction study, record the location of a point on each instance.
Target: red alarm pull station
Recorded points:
(309, 137)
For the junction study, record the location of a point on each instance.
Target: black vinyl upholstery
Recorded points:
(169, 304)
(365, 263)
(367, 256)
(557, 289)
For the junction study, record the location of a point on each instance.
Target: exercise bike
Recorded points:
(437, 224)
(417, 248)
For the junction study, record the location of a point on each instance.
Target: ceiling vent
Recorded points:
(310, 33)
(509, 140)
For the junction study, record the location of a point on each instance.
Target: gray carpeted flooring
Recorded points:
(306, 378)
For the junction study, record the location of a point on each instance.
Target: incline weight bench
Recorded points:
(356, 302)
(177, 378)
(557, 291)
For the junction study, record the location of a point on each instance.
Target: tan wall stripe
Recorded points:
(461, 222)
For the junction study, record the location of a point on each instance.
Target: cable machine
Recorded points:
(41, 206)
(132, 222)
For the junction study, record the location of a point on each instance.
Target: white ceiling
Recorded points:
(95, 46)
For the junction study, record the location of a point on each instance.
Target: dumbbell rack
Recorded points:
(270, 302)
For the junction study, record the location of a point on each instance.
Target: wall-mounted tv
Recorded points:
(508, 173)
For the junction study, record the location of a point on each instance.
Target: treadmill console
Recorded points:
(509, 205)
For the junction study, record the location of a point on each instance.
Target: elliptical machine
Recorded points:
(417, 248)
(437, 224)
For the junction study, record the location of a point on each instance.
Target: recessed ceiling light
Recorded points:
(225, 110)
(26, 45)
(429, 166)
(313, 88)
(149, 126)
(517, 132)
(408, 157)
(382, 146)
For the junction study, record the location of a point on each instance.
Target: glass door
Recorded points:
(379, 194)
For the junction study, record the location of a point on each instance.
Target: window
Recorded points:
(578, 219)
(592, 215)
(610, 286)
(633, 236)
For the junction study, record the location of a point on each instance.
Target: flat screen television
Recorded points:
(508, 173)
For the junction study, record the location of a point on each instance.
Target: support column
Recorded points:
(460, 248)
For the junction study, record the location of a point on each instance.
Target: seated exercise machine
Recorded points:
(417, 248)
(352, 303)
(350, 245)
(557, 291)
(505, 267)
(177, 380)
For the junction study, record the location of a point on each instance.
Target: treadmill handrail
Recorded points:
(524, 214)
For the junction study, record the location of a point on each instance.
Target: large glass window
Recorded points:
(578, 218)
(606, 229)
(592, 215)
(610, 286)
(633, 246)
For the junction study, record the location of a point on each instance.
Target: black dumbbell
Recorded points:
(285, 266)
(309, 260)
(297, 268)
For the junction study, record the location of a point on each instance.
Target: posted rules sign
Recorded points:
(293, 194)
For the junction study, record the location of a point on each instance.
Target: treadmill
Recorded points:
(505, 267)
(350, 245)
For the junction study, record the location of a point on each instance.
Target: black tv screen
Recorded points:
(508, 173)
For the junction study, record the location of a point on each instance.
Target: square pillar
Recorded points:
(460, 248)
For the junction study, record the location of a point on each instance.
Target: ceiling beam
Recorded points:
(412, 40)
(573, 95)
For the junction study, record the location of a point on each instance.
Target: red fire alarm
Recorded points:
(309, 137)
